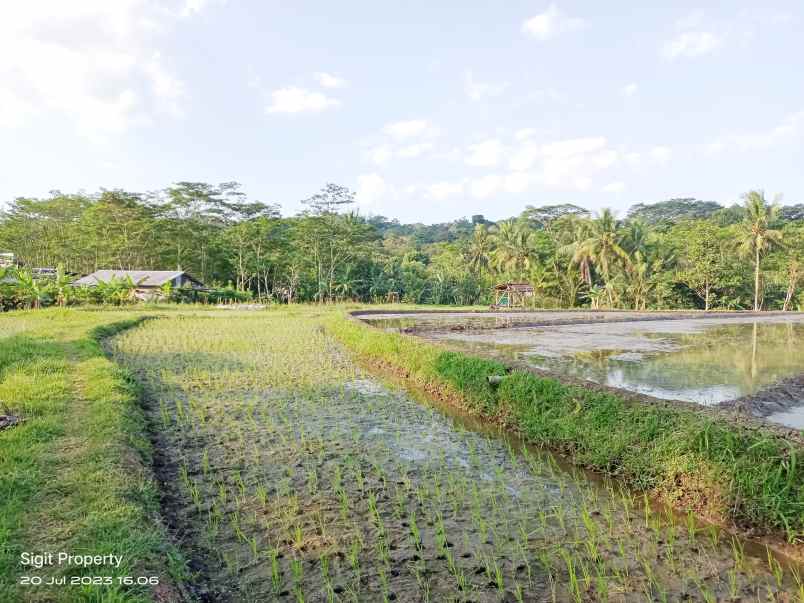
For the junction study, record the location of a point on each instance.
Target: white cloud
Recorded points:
(551, 23)
(380, 155)
(370, 188)
(629, 89)
(94, 63)
(327, 80)
(192, 7)
(415, 150)
(660, 154)
(692, 20)
(525, 156)
(299, 100)
(485, 154)
(605, 158)
(525, 133)
(691, 44)
(570, 164)
(484, 187)
(412, 128)
(633, 159)
(165, 87)
(575, 146)
(516, 182)
(477, 90)
(14, 111)
(614, 187)
(790, 129)
(440, 191)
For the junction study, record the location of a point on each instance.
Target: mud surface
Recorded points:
(782, 402)
(747, 362)
(290, 474)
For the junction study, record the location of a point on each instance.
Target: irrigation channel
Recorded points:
(290, 474)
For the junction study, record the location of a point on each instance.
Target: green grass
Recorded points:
(75, 474)
(697, 462)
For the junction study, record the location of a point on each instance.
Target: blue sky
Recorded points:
(429, 110)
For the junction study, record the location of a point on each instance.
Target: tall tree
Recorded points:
(479, 249)
(757, 235)
(330, 241)
(603, 246)
(514, 252)
(702, 258)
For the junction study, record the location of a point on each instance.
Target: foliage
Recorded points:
(673, 211)
(656, 257)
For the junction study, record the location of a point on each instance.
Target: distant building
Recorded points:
(512, 295)
(147, 282)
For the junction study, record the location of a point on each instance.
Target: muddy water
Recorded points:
(701, 360)
(307, 479)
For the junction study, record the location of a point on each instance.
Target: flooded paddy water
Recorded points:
(707, 360)
(290, 474)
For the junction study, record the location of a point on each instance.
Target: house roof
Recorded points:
(141, 278)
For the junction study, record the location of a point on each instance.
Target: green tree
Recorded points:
(478, 252)
(703, 262)
(328, 241)
(514, 251)
(604, 247)
(757, 236)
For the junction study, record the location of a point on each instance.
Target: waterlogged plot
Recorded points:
(703, 360)
(289, 474)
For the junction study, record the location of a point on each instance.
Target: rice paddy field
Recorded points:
(285, 470)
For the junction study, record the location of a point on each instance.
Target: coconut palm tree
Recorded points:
(544, 281)
(635, 237)
(603, 247)
(757, 237)
(479, 251)
(572, 230)
(514, 252)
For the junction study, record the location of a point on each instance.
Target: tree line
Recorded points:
(681, 253)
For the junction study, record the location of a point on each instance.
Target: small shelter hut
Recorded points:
(512, 295)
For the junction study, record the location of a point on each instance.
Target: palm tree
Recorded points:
(757, 236)
(514, 253)
(479, 250)
(544, 279)
(603, 247)
(572, 231)
(635, 237)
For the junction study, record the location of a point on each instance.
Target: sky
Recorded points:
(430, 111)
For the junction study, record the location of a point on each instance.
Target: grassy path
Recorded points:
(75, 474)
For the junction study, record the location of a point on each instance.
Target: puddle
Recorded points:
(791, 418)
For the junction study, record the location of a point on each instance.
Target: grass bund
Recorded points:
(283, 470)
(75, 474)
